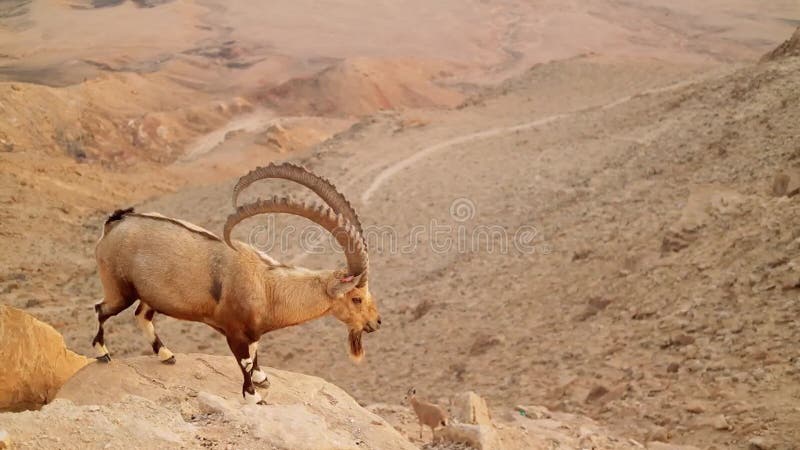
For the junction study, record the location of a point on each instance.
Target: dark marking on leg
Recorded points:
(240, 349)
(98, 342)
(157, 345)
(98, 338)
(144, 319)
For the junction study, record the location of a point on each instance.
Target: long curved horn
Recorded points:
(321, 186)
(343, 231)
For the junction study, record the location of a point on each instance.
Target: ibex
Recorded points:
(184, 271)
(427, 413)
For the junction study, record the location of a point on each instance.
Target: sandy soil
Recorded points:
(656, 290)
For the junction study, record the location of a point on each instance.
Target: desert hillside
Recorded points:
(585, 207)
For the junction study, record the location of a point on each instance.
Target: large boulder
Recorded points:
(140, 402)
(35, 361)
(469, 407)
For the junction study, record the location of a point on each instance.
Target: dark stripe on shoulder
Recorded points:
(216, 278)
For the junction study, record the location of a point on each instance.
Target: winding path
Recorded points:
(392, 170)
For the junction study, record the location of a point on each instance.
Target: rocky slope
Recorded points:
(141, 403)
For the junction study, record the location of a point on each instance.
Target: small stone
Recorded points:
(213, 404)
(719, 422)
(682, 340)
(695, 365)
(658, 433)
(596, 393)
(786, 184)
(673, 367)
(599, 303)
(760, 443)
(695, 407)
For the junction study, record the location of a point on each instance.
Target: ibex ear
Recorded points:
(340, 285)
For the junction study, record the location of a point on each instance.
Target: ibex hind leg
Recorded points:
(144, 319)
(116, 299)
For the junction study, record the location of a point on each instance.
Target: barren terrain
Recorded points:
(624, 153)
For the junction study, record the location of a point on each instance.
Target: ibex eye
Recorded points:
(357, 300)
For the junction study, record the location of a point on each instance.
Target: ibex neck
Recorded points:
(295, 295)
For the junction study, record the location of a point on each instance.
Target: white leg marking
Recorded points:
(101, 349)
(259, 376)
(252, 399)
(247, 364)
(251, 355)
(164, 353)
(146, 325)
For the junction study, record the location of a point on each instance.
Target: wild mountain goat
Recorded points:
(427, 413)
(183, 271)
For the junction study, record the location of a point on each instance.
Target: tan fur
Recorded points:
(176, 269)
(427, 413)
(170, 268)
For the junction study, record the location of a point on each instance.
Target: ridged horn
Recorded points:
(342, 230)
(292, 172)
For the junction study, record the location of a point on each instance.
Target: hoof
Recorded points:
(262, 402)
(169, 361)
(104, 359)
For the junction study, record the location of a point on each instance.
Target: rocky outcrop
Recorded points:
(789, 48)
(704, 205)
(471, 422)
(35, 361)
(521, 428)
(142, 403)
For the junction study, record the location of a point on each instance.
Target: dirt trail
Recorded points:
(390, 171)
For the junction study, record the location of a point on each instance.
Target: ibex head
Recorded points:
(352, 302)
(354, 305)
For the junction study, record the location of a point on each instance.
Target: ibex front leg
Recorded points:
(258, 376)
(245, 353)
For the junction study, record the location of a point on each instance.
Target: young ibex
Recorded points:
(427, 413)
(183, 271)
